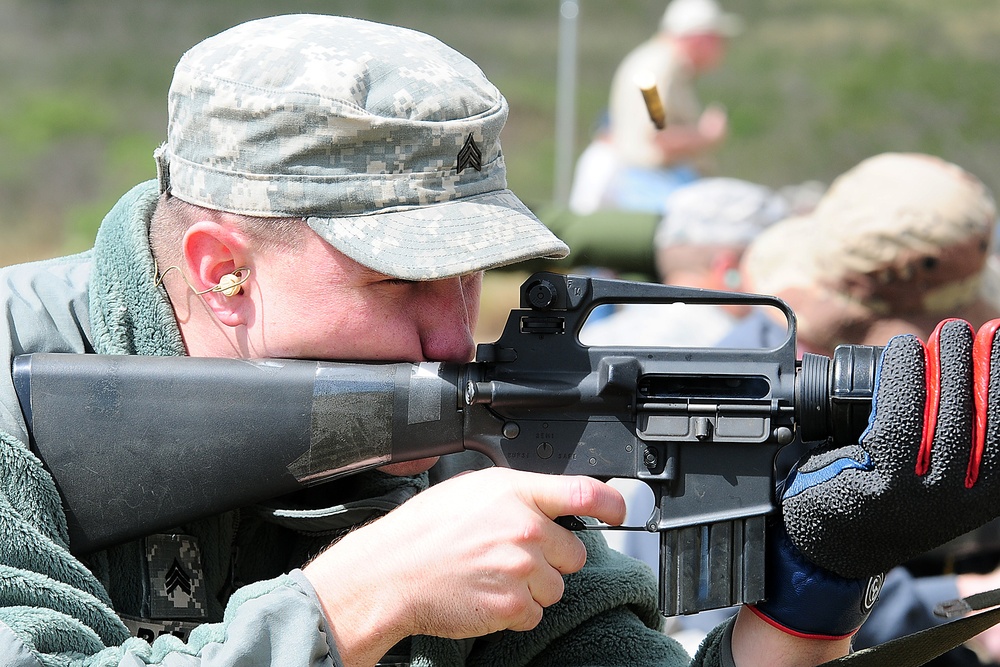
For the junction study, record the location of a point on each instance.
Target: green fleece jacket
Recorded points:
(259, 610)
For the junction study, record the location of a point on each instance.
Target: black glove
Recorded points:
(926, 469)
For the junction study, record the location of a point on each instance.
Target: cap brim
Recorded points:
(443, 240)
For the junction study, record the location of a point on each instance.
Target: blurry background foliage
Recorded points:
(812, 87)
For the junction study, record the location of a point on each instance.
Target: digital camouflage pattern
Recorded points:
(400, 168)
(719, 212)
(176, 583)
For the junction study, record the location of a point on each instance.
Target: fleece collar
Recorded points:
(129, 313)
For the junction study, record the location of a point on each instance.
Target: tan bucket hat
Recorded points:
(897, 244)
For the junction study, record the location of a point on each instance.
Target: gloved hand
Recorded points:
(805, 600)
(926, 469)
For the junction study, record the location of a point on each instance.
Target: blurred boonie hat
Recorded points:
(719, 212)
(901, 235)
(896, 209)
(385, 140)
(699, 17)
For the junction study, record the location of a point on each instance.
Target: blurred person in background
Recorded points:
(698, 243)
(652, 163)
(897, 244)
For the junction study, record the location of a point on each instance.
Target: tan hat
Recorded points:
(896, 244)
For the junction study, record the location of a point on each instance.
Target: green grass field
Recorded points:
(812, 87)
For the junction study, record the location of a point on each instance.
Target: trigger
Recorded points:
(570, 522)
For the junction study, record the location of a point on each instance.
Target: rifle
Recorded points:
(141, 444)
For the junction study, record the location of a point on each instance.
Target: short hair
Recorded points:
(173, 216)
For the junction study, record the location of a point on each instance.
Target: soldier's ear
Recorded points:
(725, 270)
(215, 264)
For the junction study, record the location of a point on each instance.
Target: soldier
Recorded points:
(332, 188)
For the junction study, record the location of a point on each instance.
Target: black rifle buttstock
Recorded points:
(138, 445)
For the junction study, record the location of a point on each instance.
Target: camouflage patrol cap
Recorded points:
(385, 140)
(719, 212)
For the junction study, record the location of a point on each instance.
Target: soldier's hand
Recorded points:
(925, 469)
(475, 554)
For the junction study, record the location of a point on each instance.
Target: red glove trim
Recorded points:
(932, 378)
(795, 633)
(982, 351)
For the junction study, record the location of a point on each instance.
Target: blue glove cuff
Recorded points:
(808, 601)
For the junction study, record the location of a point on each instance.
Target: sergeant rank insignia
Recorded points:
(176, 582)
(469, 156)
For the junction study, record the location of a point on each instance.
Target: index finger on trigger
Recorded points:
(558, 495)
